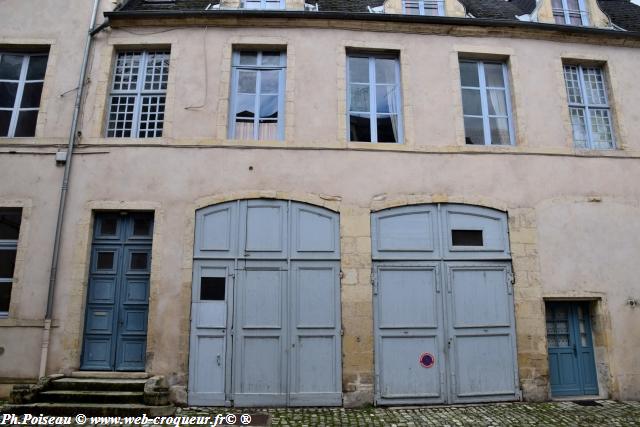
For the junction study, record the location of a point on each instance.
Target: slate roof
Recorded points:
(623, 13)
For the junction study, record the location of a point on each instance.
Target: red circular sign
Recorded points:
(427, 360)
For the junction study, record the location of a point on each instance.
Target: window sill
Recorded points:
(8, 322)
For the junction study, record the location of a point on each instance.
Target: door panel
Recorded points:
(481, 331)
(264, 229)
(409, 318)
(118, 293)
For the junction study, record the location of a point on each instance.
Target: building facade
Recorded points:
(288, 203)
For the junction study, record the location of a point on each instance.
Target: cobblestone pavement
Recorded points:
(556, 414)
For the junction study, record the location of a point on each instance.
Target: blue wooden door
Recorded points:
(571, 359)
(115, 334)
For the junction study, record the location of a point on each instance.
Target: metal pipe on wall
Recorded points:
(63, 192)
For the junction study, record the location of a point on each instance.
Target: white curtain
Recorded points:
(393, 109)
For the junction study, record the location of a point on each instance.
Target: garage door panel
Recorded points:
(407, 233)
(401, 374)
(407, 297)
(216, 229)
(317, 289)
(261, 367)
(315, 233)
(316, 360)
(484, 366)
(481, 296)
(261, 300)
(264, 229)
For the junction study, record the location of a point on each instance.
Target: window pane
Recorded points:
(125, 76)
(142, 226)
(412, 7)
(493, 75)
(271, 59)
(10, 66)
(386, 99)
(212, 288)
(469, 74)
(359, 97)
(471, 102)
(579, 127)
(268, 130)
(157, 72)
(558, 17)
(37, 68)
(108, 226)
(248, 58)
(7, 263)
(431, 8)
(601, 128)
(120, 116)
(358, 70)
(31, 95)
(594, 86)
(575, 18)
(10, 223)
(269, 106)
(269, 82)
(387, 128)
(139, 261)
(473, 130)
(5, 121)
(466, 238)
(247, 81)
(497, 102)
(26, 123)
(385, 71)
(8, 94)
(499, 131)
(360, 127)
(244, 129)
(5, 296)
(572, 82)
(151, 116)
(105, 260)
(245, 106)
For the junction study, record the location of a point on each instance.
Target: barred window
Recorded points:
(10, 219)
(138, 95)
(570, 12)
(423, 7)
(589, 107)
(21, 81)
(257, 98)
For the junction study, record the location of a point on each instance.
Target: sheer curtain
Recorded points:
(393, 109)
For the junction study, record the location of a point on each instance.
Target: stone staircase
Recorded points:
(93, 394)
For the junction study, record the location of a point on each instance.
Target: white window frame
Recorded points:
(421, 6)
(139, 93)
(587, 107)
(263, 4)
(235, 71)
(373, 113)
(566, 12)
(15, 111)
(9, 244)
(485, 104)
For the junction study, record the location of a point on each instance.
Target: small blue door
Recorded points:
(115, 333)
(571, 359)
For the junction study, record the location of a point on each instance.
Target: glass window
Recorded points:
(570, 12)
(589, 107)
(373, 98)
(21, 81)
(10, 219)
(257, 99)
(423, 7)
(138, 95)
(262, 4)
(486, 103)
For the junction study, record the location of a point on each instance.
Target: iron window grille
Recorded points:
(374, 99)
(138, 94)
(257, 95)
(589, 108)
(21, 82)
(486, 103)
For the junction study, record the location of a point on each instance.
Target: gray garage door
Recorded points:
(265, 318)
(444, 321)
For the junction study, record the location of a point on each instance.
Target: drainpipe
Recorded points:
(63, 192)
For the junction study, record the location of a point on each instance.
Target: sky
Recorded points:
(636, 2)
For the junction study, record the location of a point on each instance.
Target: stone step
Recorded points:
(90, 409)
(82, 396)
(110, 375)
(96, 384)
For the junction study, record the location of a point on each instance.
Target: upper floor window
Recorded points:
(486, 103)
(374, 101)
(10, 219)
(257, 98)
(423, 7)
(21, 81)
(570, 12)
(138, 94)
(262, 4)
(589, 107)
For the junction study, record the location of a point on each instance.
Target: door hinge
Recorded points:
(341, 332)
